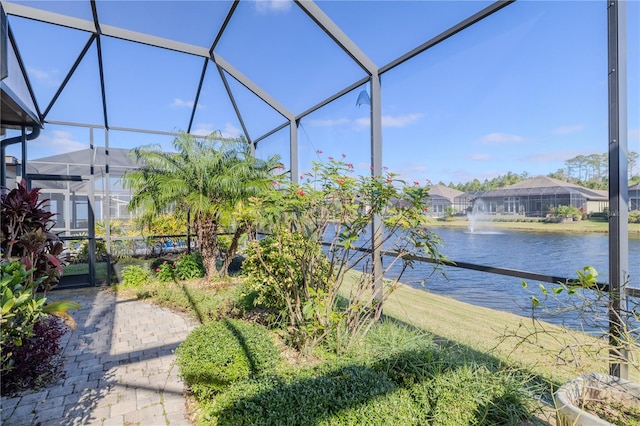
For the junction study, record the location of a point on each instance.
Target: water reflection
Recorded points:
(549, 254)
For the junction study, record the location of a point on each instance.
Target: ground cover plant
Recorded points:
(36, 360)
(397, 375)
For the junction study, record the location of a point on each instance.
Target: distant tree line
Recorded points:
(590, 171)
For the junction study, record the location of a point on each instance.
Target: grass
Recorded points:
(585, 226)
(435, 360)
(83, 268)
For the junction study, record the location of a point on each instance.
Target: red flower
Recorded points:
(340, 181)
(273, 182)
(157, 269)
(300, 192)
(301, 177)
(349, 165)
(416, 183)
(389, 180)
(280, 166)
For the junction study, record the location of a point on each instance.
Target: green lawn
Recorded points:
(571, 227)
(83, 268)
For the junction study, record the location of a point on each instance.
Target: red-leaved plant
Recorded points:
(25, 234)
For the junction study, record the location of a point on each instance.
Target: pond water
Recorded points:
(558, 255)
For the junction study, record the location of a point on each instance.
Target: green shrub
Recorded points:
(165, 272)
(456, 394)
(135, 276)
(634, 216)
(274, 272)
(297, 400)
(35, 361)
(25, 235)
(220, 353)
(189, 266)
(21, 308)
(83, 252)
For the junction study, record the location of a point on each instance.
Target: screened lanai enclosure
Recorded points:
(435, 91)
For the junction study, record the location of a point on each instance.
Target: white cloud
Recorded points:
(231, 131)
(501, 138)
(479, 157)
(202, 129)
(179, 103)
(48, 77)
(328, 122)
(401, 120)
(59, 142)
(362, 122)
(205, 129)
(391, 121)
(564, 130)
(273, 6)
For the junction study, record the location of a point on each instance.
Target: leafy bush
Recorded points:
(358, 394)
(135, 276)
(219, 353)
(34, 362)
(273, 271)
(189, 266)
(568, 211)
(634, 216)
(20, 309)
(331, 206)
(25, 234)
(302, 399)
(83, 252)
(165, 272)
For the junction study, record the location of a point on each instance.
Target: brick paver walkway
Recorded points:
(118, 369)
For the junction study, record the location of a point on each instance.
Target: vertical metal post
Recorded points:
(91, 218)
(293, 137)
(23, 146)
(376, 163)
(106, 202)
(618, 183)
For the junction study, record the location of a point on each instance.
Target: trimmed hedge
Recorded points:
(218, 354)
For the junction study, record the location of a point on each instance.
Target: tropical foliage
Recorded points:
(29, 331)
(206, 177)
(25, 234)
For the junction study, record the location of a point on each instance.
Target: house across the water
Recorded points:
(535, 197)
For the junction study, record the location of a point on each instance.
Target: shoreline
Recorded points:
(582, 226)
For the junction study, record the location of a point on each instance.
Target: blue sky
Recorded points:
(523, 90)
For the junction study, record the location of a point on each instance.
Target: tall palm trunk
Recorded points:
(208, 243)
(240, 230)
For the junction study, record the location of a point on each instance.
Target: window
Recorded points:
(511, 205)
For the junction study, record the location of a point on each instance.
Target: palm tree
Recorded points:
(206, 177)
